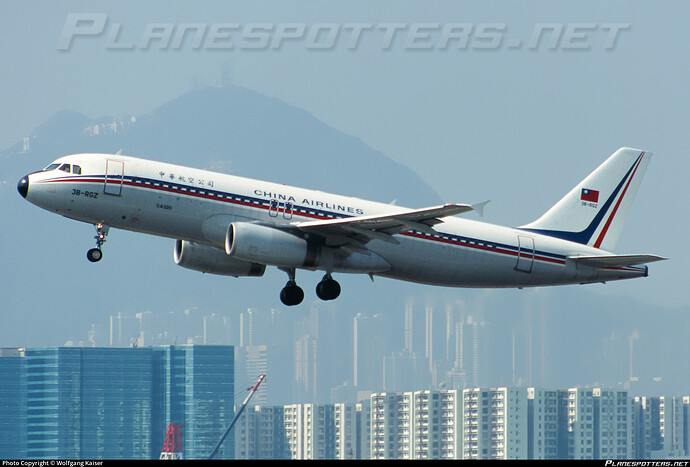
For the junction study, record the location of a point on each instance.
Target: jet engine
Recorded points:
(209, 259)
(268, 245)
(255, 242)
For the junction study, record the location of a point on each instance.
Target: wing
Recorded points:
(383, 227)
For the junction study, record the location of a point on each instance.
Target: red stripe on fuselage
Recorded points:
(159, 185)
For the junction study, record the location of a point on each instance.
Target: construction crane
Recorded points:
(252, 390)
(172, 445)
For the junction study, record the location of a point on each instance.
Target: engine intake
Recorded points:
(212, 260)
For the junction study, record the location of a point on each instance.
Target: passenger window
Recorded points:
(76, 169)
(65, 167)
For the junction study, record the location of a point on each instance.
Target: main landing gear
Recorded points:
(292, 294)
(328, 288)
(95, 254)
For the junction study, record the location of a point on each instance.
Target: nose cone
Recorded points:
(23, 186)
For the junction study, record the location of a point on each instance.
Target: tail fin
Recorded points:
(594, 211)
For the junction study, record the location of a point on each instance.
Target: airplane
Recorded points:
(234, 226)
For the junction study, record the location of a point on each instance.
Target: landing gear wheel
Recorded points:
(328, 288)
(291, 294)
(94, 255)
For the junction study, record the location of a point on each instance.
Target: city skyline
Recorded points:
(452, 344)
(115, 403)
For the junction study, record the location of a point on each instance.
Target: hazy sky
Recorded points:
(510, 101)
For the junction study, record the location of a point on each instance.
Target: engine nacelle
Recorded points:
(262, 244)
(267, 245)
(212, 260)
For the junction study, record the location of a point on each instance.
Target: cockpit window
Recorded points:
(75, 169)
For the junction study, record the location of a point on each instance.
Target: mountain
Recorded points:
(233, 130)
(50, 293)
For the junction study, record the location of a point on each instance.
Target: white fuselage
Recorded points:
(197, 205)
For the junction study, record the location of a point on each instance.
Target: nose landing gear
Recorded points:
(95, 254)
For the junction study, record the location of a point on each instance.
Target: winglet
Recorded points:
(479, 207)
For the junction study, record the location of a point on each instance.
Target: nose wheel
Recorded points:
(96, 254)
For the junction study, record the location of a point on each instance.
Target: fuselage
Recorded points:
(197, 206)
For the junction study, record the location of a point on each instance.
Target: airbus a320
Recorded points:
(229, 225)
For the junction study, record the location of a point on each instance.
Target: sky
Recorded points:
(514, 102)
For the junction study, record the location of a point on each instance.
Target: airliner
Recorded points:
(229, 225)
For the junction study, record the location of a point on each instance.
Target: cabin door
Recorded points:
(525, 258)
(114, 175)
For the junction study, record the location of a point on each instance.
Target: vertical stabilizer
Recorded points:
(594, 211)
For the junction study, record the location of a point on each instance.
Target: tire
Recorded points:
(94, 255)
(328, 289)
(291, 295)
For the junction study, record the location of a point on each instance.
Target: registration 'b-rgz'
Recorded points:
(237, 226)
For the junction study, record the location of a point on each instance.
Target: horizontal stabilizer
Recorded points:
(613, 261)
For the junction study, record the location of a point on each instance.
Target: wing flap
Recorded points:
(379, 222)
(383, 227)
(614, 261)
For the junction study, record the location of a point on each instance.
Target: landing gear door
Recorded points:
(114, 175)
(525, 258)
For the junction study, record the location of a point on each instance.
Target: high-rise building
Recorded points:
(661, 427)
(434, 423)
(612, 424)
(363, 441)
(89, 403)
(115, 403)
(12, 404)
(198, 386)
(389, 435)
(580, 423)
(369, 349)
(495, 423)
(345, 430)
(599, 424)
(310, 431)
(256, 363)
(400, 371)
(543, 434)
(415, 425)
(260, 434)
